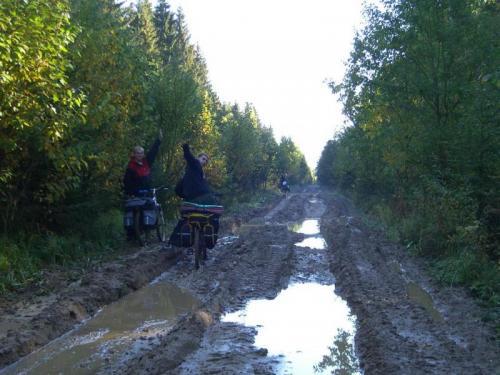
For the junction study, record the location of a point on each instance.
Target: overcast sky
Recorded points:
(277, 55)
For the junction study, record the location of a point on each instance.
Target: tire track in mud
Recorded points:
(396, 333)
(29, 326)
(29, 320)
(257, 265)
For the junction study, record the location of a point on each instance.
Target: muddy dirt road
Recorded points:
(303, 287)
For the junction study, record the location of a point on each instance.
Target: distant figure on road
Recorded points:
(283, 184)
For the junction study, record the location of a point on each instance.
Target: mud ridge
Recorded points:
(34, 320)
(406, 324)
(439, 334)
(249, 268)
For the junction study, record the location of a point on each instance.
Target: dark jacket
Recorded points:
(138, 176)
(194, 183)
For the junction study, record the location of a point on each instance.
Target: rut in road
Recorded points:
(407, 324)
(258, 265)
(261, 260)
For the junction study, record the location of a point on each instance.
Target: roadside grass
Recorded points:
(25, 256)
(456, 259)
(245, 202)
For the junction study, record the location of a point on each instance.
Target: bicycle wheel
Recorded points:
(203, 245)
(140, 233)
(161, 227)
(197, 248)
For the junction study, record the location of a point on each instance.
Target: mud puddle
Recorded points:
(416, 293)
(310, 228)
(424, 299)
(317, 243)
(307, 326)
(117, 331)
(282, 313)
(302, 326)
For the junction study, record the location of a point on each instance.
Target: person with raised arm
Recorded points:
(194, 186)
(138, 173)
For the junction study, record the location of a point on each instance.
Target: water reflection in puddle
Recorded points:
(308, 227)
(307, 324)
(142, 314)
(417, 294)
(313, 243)
(227, 240)
(311, 228)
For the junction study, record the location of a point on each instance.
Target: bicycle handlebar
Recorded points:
(153, 191)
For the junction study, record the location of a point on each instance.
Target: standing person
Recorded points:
(194, 186)
(138, 173)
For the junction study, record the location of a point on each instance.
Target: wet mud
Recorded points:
(386, 317)
(43, 312)
(406, 323)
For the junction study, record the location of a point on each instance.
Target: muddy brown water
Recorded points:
(307, 326)
(302, 326)
(312, 243)
(118, 328)
(419, 295)
(271, 299)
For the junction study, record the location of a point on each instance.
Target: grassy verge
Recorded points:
(455, 256)
(249, 201)
(24, 257)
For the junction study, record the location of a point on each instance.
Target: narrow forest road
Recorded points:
(274, 297)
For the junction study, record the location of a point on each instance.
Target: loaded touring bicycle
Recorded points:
(198, 228)
(144, 216)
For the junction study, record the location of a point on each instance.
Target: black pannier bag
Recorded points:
(149, 214)
(128, 214)
(211, 230)
(182, 235)
(128, 218)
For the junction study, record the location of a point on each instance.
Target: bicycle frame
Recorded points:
(198, 220)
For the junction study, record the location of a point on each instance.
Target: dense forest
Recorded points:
(81, 83)
(422, 152)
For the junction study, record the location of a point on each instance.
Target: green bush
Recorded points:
(106, 230)
(441, 224)
(17, 267)
(23, 256)
(247, 201)
(470, 269)
(384, 214)
(434, 215)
